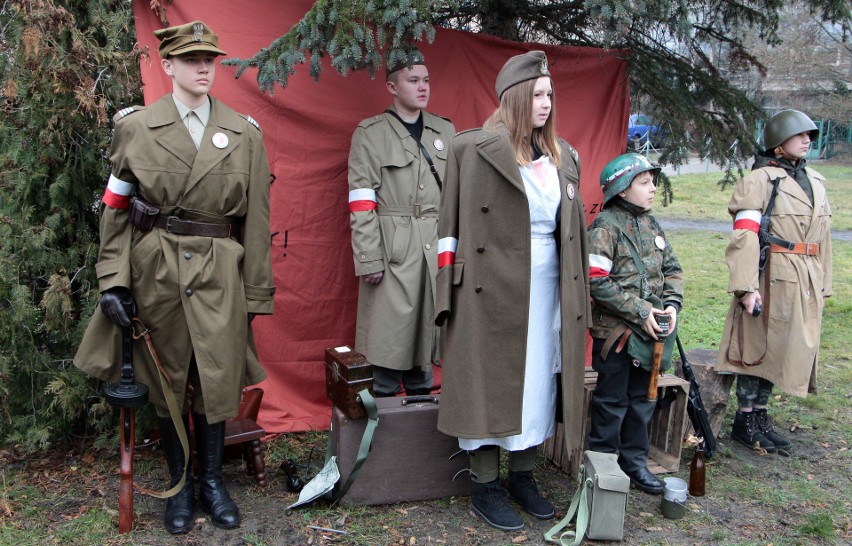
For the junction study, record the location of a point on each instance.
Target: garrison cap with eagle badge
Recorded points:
(520, 68)
(183, 39)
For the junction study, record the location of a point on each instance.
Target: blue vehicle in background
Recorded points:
(640, 128)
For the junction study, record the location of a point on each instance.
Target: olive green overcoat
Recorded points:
(193, 292)
(399, 235)
(483, 296)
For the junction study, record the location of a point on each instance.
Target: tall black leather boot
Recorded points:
(210, 443)
(180, 509)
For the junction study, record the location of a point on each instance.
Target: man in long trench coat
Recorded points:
(780, 346)
(396, 163)
(198, 270)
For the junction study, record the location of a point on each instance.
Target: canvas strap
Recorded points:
(174, 412)
(580, 508)
(363, 449)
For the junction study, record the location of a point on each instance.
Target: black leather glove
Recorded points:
(118, 305)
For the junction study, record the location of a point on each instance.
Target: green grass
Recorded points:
(699, 197)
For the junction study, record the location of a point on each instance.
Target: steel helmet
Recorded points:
(785, 124)
(619, 173)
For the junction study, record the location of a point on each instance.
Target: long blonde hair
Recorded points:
(515, 114)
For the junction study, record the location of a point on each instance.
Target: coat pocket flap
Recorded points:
(458, 271)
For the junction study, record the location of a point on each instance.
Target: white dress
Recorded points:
(543, 360)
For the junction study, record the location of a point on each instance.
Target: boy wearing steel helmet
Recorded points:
(780, 346)
(634, 277)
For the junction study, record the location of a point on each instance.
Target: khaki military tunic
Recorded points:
(782, 345)
(193, 292)
(396, 233)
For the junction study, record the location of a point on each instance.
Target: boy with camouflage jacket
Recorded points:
(624, 239)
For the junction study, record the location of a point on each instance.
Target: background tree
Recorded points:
(671, 44)
(65, 67)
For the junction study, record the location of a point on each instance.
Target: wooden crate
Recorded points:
(666, 430)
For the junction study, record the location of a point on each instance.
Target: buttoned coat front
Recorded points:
(483, 296)
(193, 292)
(397, 234)
(781, 345)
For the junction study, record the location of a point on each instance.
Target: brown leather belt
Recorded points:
(808, 249)
(173, 224)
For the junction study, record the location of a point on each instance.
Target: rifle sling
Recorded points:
(423, 149)
(174, 413)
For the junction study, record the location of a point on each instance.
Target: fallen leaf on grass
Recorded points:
(653, 529)
(402, 511)
(412, 540)
(810, 476)
(7, 510)
(519, 539)
(645, 514)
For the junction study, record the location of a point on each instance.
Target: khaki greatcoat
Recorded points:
(483, 297)
(395, 327)
(798, 284)
(193, 292)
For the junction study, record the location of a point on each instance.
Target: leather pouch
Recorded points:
(142, 214)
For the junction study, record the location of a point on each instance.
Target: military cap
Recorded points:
(412, 57)
(182, 39)
(520, 68)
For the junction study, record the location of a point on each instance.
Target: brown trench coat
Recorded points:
(483, 297)
(798, 284)
(395, 327)
(193, 292)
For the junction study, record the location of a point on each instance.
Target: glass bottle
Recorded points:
(697, 472)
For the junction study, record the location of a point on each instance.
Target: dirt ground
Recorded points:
(720, 517)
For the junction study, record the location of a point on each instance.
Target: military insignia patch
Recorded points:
(197, 32)
(123, 112)
(543, 68)
(253, 122)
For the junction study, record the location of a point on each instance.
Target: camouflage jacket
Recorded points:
(619, 291)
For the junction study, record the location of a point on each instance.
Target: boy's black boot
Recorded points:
(523, 489)
(179, 517)
(746, 431)
(489, 503)
(767, 428)
(210, 442)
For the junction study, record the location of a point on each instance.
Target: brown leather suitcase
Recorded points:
(410, 460)
(347, 372)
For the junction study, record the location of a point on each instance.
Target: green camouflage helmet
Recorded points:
(785, 124)
(619, 173)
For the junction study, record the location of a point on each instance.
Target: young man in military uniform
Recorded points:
(634, 277)
(396, 164)
(185, 237)
(780, 345)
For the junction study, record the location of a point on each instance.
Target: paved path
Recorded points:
(724, 227)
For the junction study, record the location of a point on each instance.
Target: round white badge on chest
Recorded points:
(439, 144)
(570, 191)
(220, 140)
(660, 242)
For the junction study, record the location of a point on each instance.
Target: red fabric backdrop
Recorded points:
(307, 129)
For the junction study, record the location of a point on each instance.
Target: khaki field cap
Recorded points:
(182, 39)
(413, 56)
(520, 68)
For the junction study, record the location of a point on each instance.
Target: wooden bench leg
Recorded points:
(255, 464)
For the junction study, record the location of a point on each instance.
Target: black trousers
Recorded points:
(620, 410)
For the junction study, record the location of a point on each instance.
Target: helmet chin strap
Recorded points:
(779, 152)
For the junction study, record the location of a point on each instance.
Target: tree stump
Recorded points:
(715, 388)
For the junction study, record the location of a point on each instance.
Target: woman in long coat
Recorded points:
(780, 346)
(512, 290)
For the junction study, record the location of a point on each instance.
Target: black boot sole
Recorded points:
(495, 525)
(743, 441)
